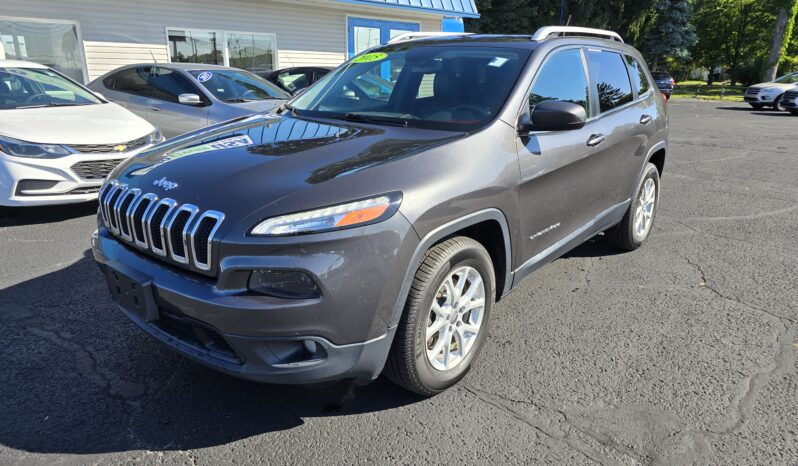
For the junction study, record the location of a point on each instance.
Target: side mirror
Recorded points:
(555, 115)
(189, 99)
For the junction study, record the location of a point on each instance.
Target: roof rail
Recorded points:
(548, 31)
(423, 35)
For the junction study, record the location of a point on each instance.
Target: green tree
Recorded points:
(782, 33)
(670, 33)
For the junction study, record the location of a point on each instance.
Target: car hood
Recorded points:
(85, 124)
(242, 166)
(773, 86)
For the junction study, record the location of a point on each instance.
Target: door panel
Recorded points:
(559, 190)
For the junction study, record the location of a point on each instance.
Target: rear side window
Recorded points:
(638, 75)
(132, 80)
(168, 84)
(561, 78)
(612, 80)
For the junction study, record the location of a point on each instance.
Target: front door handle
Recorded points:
(645, 119)
(155, 109)
(595, 140)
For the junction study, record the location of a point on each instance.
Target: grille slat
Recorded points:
(180, 232)
(110, 148)
(93, 170)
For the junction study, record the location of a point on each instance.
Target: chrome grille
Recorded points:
(753, 91)
(110, 148)
(95, 169)
(181, 233)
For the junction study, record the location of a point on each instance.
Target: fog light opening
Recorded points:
(310, 346)
(286, 284)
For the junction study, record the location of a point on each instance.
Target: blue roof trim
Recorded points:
(458, 8)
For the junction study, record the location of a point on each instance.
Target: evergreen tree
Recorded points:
(670, 33)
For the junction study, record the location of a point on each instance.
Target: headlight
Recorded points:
(28, 149)
(156, 136)
(337, 217)
(771, 90)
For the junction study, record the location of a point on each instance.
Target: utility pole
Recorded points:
(562, 12)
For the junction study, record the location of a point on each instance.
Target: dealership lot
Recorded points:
(682, 351)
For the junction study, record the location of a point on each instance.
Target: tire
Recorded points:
(418, 363)
(777, 104)
(757, 106)
(627, 235)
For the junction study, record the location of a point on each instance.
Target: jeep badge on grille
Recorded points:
(165, 184)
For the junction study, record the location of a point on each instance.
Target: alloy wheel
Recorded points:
(455, 318)
(644, 214)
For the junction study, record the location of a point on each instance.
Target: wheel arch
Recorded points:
(485, 226)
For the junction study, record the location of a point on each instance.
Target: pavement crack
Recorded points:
(501, 402)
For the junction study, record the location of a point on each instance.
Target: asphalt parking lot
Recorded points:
(682, 352)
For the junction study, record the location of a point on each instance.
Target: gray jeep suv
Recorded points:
(370, 228)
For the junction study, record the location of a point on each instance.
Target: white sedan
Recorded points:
(58, 140)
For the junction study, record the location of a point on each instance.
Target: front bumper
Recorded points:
(344, 334)
(766, 99)
(65, 185)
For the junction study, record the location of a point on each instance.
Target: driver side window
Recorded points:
(562, 78)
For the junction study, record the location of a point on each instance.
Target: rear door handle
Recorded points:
(595, 140)
(155, 109)
(645, 119)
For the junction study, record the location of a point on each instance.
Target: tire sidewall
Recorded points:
(651, 172)
(777, 104)
(432, 378)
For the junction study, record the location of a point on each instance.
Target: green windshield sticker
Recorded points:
(370, 57)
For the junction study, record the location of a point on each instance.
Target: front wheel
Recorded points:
(638, 221)
(777, 104)
(445, 320)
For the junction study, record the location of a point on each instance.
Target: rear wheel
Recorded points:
(638, 221)
(445, 320)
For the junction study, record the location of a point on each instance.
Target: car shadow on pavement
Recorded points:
(15, 216)
(594, 247)
(760, 112)
(79, 378)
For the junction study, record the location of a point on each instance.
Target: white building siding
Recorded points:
(310, 32)
(102, 57)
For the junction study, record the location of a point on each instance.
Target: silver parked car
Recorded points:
(182, 97)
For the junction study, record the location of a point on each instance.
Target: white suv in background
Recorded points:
(790, 101)
(771, 94)
(59, 140)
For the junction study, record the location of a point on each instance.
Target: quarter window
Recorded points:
(612, 80)
(638, 75)
(561, 78)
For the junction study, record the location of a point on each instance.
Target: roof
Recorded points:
(20, 64)
(458, 8)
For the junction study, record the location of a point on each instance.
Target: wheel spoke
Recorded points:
(458, 338)
(439, 345)
(436, 327)
(473, 304)
(470, 328)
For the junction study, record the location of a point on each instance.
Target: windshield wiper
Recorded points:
(53, 104)
(233, 100)
(360, 118)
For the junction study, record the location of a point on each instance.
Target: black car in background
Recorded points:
(665, 82)
(295, 79)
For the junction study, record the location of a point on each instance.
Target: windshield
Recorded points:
(788, 79)
(236, 86)
(438, 87)
(40, 87)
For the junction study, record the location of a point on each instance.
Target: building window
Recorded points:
(249, 51)
(364, 33)
(52, 43)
